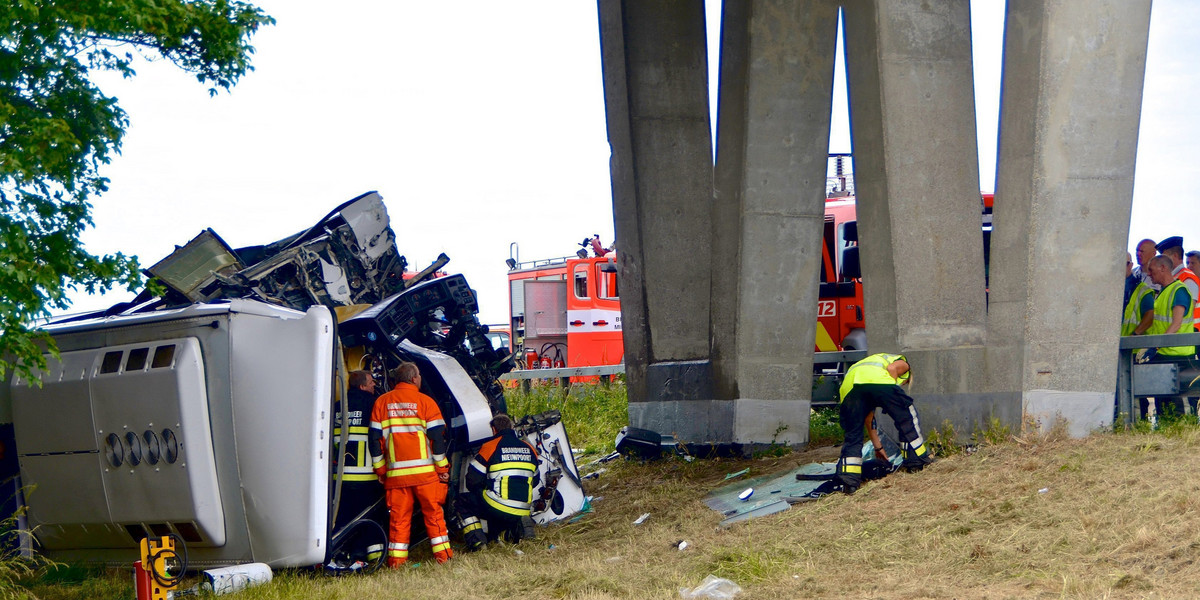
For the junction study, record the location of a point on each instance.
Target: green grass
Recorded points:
(824, 428)
(1030, 515)
(592, 414)
(67, 582)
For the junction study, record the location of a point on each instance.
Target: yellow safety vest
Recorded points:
(1162, 320)
(1132, 310)
(872, 369)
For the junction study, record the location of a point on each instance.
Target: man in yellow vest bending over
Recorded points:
(874, 382)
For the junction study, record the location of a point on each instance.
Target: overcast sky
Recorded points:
(482, 126)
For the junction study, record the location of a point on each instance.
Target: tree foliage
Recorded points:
(57, 129)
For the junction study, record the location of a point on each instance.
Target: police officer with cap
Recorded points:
(1172, 248)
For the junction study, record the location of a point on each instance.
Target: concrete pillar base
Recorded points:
(1085, 413)
(967, 412)
(743, 421)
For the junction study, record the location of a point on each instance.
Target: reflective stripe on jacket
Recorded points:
(505, 470)
(356, 456)
(1133, 315)
(409, 427)
(1163, 306)
(872, 369)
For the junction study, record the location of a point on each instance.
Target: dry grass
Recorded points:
(1120, 519)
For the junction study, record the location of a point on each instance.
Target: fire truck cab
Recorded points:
(840, 319)
(566, 312)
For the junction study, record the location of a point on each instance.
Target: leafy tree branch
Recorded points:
(57, 129)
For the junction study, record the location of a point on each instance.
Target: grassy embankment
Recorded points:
(1114, 516)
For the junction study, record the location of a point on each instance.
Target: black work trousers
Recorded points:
(499, 524)
(363, 498)
(862, 400)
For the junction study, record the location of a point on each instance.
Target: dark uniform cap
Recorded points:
(1171, 242)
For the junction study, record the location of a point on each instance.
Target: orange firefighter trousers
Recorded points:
(400, 502)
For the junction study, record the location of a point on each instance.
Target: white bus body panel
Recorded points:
(282, 380)
(247, 395)
(114, 438)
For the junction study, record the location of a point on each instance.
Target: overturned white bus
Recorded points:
(207, 413)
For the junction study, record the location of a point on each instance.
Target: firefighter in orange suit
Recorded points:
(408, 452)
(500, 484)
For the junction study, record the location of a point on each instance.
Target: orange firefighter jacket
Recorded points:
(1185, 274)
(408, 446)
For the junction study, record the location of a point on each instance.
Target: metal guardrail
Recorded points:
(562, 372)
(850, 356)
(1126, 374)
(1135, 342)
(820, 358)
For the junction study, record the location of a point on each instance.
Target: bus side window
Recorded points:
(580, 279)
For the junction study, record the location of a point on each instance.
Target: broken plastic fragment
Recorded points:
(738, 474)
(1043, 490)
(642, 519)
(595, 474)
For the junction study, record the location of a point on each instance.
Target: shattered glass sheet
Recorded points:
(777, 492)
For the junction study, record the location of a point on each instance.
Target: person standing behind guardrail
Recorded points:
(1145, 252)
(1172, 248)
(1172, 311)
(1139, 304)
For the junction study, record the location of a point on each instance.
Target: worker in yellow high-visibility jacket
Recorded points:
(874, 382)
(362, 494)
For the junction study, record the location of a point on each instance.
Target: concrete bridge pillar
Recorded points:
(1070, 108)
(655, 62)
(720, 299)
(912, 114)
(776, 93)
(719, 282)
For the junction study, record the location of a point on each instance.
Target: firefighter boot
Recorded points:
(915, 459)
(849, 473)
(528, 528)
(468, 524)
(473, 534)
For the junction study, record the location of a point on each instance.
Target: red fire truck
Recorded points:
(566, 311)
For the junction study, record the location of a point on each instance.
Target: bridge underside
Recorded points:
(720, 263)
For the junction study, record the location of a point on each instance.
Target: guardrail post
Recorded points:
(1125, 403)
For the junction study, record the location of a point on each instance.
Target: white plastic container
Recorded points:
(227, 580)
